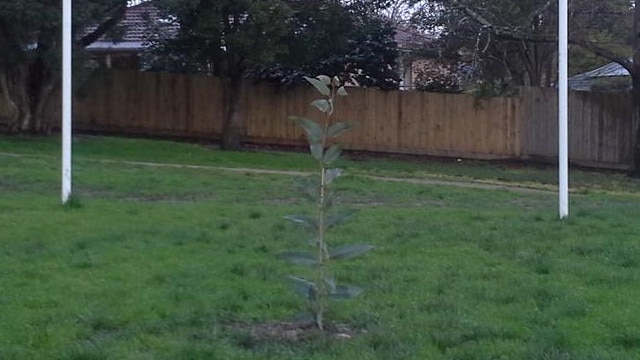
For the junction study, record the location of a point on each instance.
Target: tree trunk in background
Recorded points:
(9, 123)
(233, 122)
(14, 86)
(44, 115)
(28, 91)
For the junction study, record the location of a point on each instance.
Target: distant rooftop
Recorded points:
(611, 69)
(583, 81)
(138, 28)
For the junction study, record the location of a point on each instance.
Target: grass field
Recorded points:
(161, 262)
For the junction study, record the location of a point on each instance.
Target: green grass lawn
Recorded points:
(161, 262)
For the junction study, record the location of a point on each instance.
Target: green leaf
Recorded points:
(319, 85)
(342, 91)
(335, 81)
(325, 79)
(332, 174)
(299, 257)
(338, 218)
(338, 128)
(305, 220)
(313, 130)
(323, 105)
(345, 292)
(303, 287)
(332, 154)
(349, 251)
(317, 151)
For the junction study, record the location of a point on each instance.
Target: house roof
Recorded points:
(138, 27)
(583, 81)
(611, 69)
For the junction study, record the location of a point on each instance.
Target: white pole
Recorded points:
(66, 100)
(563, 109)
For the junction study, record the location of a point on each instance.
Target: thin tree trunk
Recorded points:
(14, 111)
(44, 115)
(233, 122)
(28, 95)
(19, 91)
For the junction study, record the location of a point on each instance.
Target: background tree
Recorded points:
(514, 41)
(349, 40)
(277, 40)
(30, 55)
(608, 29)
(223, 38)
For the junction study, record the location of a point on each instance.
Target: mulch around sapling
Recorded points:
(292, 331)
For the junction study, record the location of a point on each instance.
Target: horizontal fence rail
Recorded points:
(408, 122)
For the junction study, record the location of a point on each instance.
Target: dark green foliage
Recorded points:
(328, 37)
(278, 40)
(220, 37)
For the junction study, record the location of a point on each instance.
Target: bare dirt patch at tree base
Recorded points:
(292, 331)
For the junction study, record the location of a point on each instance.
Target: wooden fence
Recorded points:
(601, 127)
(520, 127)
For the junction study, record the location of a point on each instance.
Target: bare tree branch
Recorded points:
(515, 35)
(112, 20)
(541, 10)
(603, 52)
